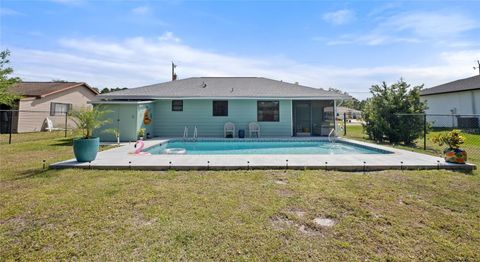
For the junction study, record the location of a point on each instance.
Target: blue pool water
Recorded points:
(236, 147)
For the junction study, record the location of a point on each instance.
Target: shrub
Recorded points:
(384, 113)
(88, 119)
(453, 139)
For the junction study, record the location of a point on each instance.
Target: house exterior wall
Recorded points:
(465, 102)
(33, 121)
(128, 118)
(145, 119)
(168, 123)
(122, 116)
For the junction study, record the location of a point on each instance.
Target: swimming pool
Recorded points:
(249, 147)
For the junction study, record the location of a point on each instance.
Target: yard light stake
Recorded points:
(208, 165)
(169, 164)
(286, 163)
(44, 164)
(89, 164)
(438, 164)
(248, 165)
(326, 166)
(129, 164)
(401, 165)
(364, 167)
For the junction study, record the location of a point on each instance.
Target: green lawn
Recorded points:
(228, 215)
(472, 143)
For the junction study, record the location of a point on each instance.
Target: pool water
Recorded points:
(248, 147)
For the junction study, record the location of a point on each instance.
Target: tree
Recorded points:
(384, 113)
(108, 90)
(6, 97)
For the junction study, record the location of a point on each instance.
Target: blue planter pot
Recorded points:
(85, 150)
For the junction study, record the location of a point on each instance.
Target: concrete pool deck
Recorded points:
(122, 158)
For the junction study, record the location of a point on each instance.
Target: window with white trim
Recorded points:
(57, 109)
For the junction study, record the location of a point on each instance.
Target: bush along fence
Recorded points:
(22, 121)
(428, 126)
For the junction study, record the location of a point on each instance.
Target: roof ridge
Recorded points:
(52, 82)
(458, 80)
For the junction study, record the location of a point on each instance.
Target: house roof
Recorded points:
(465, 84)
(223, 87)
(42, 89)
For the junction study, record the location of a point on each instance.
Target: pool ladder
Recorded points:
(195, 134)
(185, 134)
(331, 136)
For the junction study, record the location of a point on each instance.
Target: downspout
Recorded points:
(474, 106)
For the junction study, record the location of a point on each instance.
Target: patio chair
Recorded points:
(49, 125)
(254, 128)
(229, 129)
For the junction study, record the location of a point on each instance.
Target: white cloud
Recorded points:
(145, 16)
(414, 27)
(431, 25)
(339, 17)
(139, 61)
(141, 10)
(169, 36)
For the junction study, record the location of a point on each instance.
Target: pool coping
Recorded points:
(122, 158)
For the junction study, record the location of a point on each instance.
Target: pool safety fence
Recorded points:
(430, 126)
(14, 122)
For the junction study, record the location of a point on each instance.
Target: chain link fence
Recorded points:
(13, 122)
(432, 124)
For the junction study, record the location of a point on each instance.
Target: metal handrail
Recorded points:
(195, 134)
(331, 136)
(185, 133)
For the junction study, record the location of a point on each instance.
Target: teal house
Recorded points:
(207, 104)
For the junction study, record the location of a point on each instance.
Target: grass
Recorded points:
(472, 143)
(228, 215)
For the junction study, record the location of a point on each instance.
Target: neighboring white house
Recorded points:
(454, 104)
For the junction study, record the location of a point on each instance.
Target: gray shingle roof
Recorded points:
(223, 87)
(465, 84)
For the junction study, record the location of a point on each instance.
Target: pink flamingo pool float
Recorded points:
(138, 150)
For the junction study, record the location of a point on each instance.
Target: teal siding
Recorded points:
(123, 116)
(168, 123)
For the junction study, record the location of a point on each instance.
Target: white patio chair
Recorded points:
(254, 128)
(229, 128)
(50, 126)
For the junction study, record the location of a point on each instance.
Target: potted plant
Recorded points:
(452, 153)
(141, 133)
(115, 132)
(87, 120)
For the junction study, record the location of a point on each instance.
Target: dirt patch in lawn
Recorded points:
(285, 192)
(324, 222)
(300, 213)
(283, 223)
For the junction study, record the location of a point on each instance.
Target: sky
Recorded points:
(349, 45)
